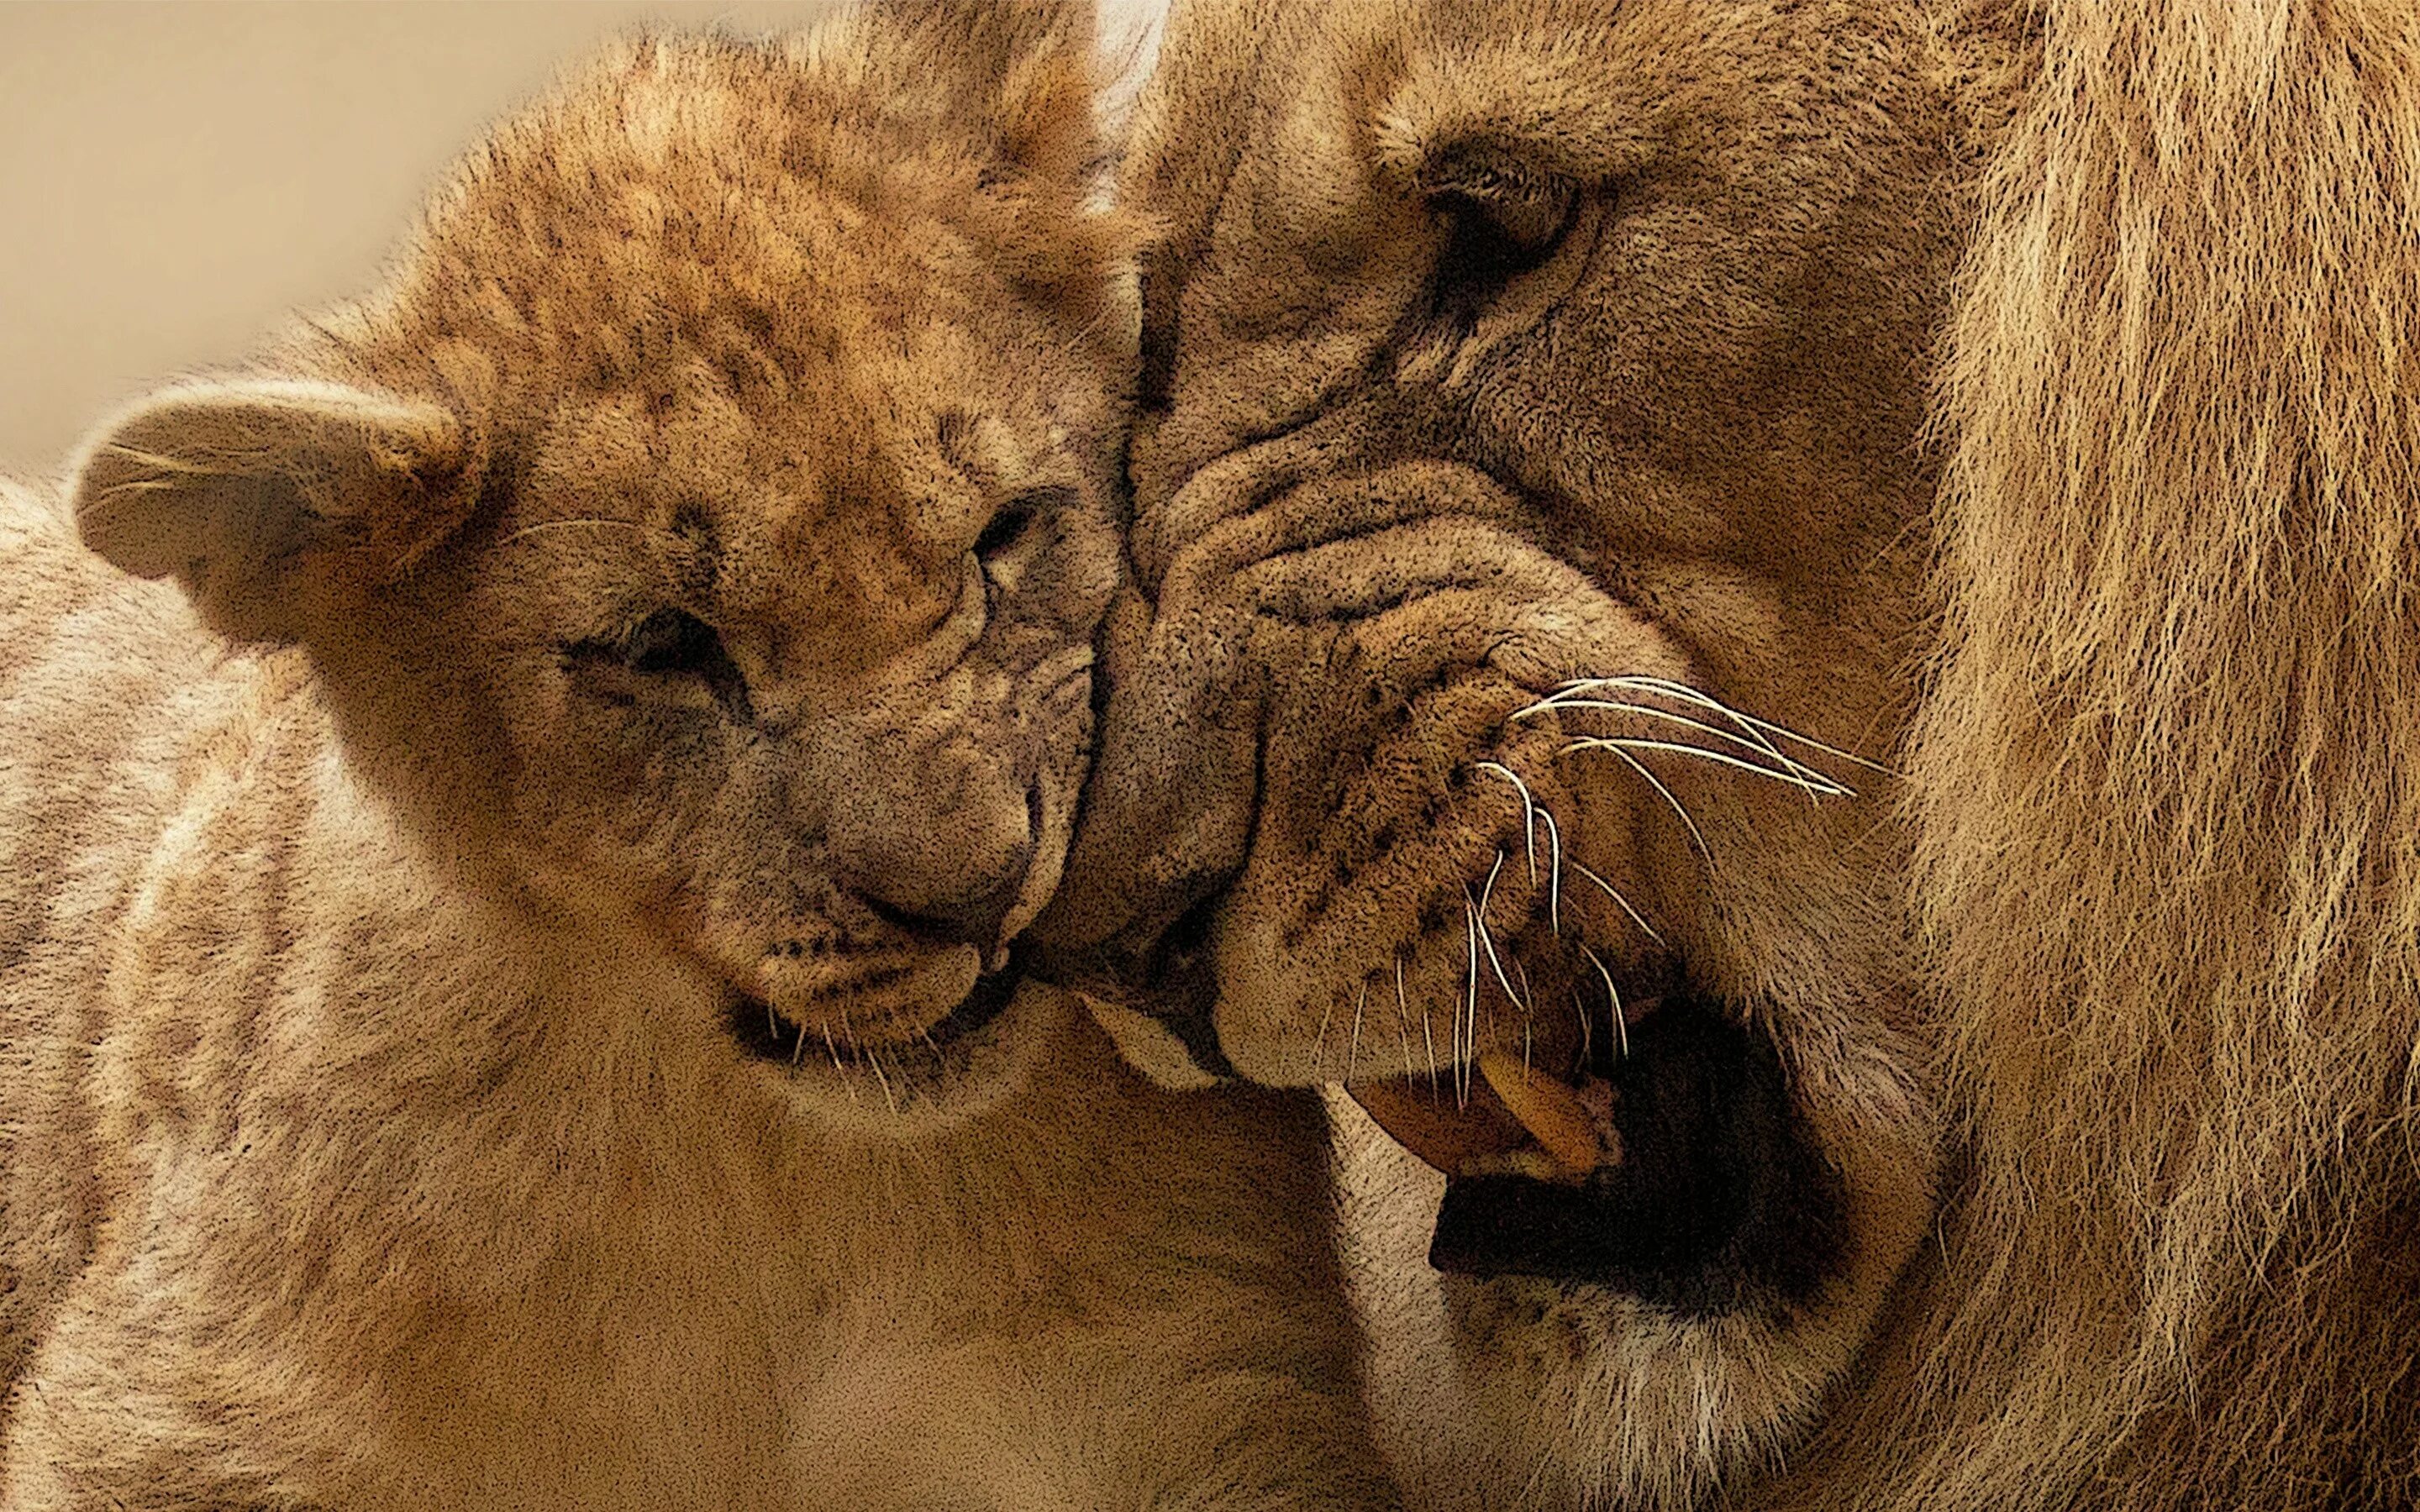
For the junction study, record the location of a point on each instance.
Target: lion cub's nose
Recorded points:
(977, 919)
(944, 882)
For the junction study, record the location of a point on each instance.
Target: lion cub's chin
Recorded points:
(982, 1052)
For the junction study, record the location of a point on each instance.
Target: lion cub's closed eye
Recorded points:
(506, 997)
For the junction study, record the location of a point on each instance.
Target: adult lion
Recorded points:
(1823, 592)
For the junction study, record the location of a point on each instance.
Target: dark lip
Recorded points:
(768, 1034)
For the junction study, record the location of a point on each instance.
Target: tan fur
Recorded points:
(377, 1126)
(2165, 786)
(2154, 857)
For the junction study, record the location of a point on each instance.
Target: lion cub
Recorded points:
(504, 993)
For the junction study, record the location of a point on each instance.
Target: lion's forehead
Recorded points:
(830, 531)
(1296, 108)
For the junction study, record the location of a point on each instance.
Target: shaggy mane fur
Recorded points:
(2165, 785)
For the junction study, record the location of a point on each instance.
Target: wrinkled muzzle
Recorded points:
(1333, 775)
(1390, 794)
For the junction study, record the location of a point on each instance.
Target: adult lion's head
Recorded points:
(1854, 811)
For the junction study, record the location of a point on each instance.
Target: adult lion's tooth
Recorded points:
(1552, 1112)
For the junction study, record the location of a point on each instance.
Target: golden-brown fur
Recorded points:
(2165, 786)
(475, 1037)
(2140, 921)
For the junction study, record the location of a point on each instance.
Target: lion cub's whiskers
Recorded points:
(873, 1059)
(847, 1077)
(869, 1055)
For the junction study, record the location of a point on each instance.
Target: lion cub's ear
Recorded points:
(1021, 73)
(239, 487)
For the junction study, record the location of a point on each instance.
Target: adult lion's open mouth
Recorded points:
(1668, 1164)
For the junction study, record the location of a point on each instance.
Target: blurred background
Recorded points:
(176, 178)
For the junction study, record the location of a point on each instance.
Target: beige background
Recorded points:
(175, 178)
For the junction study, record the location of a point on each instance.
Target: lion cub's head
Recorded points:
(709, 517)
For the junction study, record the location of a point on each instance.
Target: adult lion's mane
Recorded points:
(2167, 785)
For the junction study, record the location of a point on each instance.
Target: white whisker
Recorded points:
(1814, 786)
(1553, 872)
(1402, 1019)
(1488, 939)
(1705, 699)
(1753, 739)
(847, 1077)
(1528, 1013)
(1529, 811)
(1428, 1034)
(873, 1059)
(1644, 683)
(1615, 893)
(1353, 1051)
(1613, 994)
(1470, 930)
(1815, 783)
(1696, 836)
(1744, 733)
(1487, 891)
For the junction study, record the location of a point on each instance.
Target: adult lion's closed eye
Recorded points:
(1534, 510)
